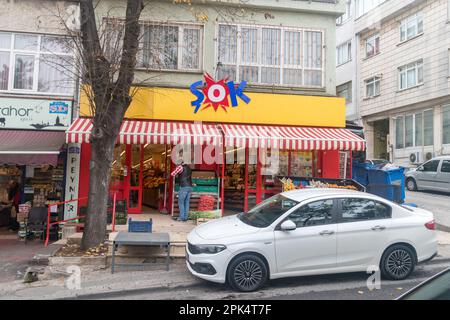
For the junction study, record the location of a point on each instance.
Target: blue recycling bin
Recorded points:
(360, 172)
(389, 184)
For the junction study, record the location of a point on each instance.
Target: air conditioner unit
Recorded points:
(429, 155)
(416, 158)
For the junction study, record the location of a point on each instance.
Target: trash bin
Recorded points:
(360, 172)
(389, 184)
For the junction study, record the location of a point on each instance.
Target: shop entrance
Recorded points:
(137, 176)
(381, 133)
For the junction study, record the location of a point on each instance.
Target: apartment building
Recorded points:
(276, 60)
(38, 90)
(402, 81)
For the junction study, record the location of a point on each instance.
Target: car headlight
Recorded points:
(206, 249)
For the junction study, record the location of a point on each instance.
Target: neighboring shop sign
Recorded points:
(217, 94)
(35, 114)
(72, 178)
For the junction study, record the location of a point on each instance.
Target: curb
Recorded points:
(124, 292)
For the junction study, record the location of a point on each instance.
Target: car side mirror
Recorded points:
(288, 225)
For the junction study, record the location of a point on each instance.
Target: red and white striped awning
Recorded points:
(151, 132)
(292, 138)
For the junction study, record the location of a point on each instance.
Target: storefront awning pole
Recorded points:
(222, 192)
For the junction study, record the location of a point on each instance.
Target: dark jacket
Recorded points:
(186, 176)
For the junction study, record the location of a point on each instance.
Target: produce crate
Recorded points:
(140, 226)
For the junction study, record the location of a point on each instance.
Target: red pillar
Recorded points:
(330, 164)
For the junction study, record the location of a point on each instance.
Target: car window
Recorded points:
(436, 289)
(265, 213)
(359, 209)
(313, 214)
(445, 166)
(431, 166)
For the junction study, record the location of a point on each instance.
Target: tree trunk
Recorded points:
(100, 171)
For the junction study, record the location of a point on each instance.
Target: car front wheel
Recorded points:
(398, 262)
(411, 185)
(247, 273)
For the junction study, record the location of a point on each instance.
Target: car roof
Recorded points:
(306, 194)
(441, 158)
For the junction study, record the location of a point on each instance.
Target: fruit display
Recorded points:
(206, 203)
(153, 182)
(289, 185)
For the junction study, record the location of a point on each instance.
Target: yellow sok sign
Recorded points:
(262, 108)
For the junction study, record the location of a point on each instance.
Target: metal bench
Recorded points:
(140, 239)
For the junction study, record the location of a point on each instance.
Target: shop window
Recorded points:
(428, 128)
(399, 132)
(409, 129)
(446, 125)
(415, 130)
(260, 53)
(36, 63)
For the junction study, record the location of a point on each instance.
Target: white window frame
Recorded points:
(181, 26)
(373, 39)
(442, 124)
(413, 115)
(36, 54)
(282, 65)
(372, 81)
(347, 15)
(346, 46)
(414, 19)
(404, 70)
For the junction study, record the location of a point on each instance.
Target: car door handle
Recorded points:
(379, 228)
(327, 233)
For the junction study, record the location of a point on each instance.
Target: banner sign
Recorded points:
(35, 114)
(72, 179)
(217, 94)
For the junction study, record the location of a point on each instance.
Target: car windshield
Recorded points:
(436, 289)
(264, 214)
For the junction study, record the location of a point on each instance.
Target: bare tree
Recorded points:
(106, 56)
(110, 98)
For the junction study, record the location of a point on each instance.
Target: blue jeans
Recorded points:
(184, 196)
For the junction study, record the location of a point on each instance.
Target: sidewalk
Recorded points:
(99, 281)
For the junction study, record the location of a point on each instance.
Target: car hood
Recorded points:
(223, 228)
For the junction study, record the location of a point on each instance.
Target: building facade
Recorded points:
(36, 97)
(273, 61)
(402, 78)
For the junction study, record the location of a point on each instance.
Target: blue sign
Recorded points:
(58, 107)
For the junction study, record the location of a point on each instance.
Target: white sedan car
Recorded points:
(312, 232)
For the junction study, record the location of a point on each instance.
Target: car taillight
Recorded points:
(431, 225)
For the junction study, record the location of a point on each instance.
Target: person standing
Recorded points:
(14, 200)
(184, 195)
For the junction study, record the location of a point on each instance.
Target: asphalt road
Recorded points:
(330, 287)
(436, 202)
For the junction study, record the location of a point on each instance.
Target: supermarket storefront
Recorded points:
(241, 144)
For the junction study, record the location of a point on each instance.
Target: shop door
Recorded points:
(135, 160)
(252, 179)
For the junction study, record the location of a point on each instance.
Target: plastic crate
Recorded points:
(205, 182)
(139, 226)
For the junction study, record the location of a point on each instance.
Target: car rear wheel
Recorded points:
(247, 273)
(411, 184)
(398, 262)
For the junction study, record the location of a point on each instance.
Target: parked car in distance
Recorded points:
(311, 232)
(433, 175)
(377, 162)
(435, 288)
